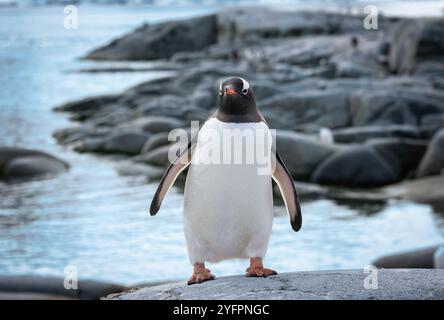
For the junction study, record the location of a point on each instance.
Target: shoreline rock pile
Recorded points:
(381, 98)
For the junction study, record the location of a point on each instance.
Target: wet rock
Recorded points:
(128, 143)
(403, 46)
(154, 124)
(17, 163)
(438, 257)
(80, 133)
(378, 163)
(359, 166)
(402, 155)
(433, 161)
(394, 106)
(428, 190)
(37, 286)
(154, 141)
(362, 134)
(431, 40)
(418, 258)
(306, 191)
(156, 157)
(85, 108)
(160, 41)
(324, 108)
(123, 143)
(301, 153)
(137, 169)
(341, 284)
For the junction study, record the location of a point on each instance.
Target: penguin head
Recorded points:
(236, 97)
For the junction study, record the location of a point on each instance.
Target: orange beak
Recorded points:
(230, 91)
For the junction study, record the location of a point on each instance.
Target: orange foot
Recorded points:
(200, 274)
(257, 269)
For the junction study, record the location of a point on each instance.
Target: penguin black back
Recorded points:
(236, 102)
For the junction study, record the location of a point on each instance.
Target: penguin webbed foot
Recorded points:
(260, 272)
(257, 269)
(200, 274)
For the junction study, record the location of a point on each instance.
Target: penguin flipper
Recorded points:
(282, 177)
(169, 177)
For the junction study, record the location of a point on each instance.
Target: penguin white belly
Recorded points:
(228, 208)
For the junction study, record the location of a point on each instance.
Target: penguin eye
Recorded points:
(244, 91)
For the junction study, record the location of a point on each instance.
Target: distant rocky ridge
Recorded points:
(380, 92)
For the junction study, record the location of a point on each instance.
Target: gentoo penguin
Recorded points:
(228, 205)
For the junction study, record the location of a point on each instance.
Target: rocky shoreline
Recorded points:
(378, 94)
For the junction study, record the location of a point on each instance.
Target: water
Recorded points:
(98, 221)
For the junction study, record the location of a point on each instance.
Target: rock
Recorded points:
(154, 141)
(359, 166)
(431, 39)
(318, 285)
(137, 169)
(403, 46)
(17, 163)
(401, 106)
(154, 124)
(85, 108)
(80, 133)
(413, 41)
(438, 258)
(124, 143)
(362, 134)
(37, 286)
(428, 190)
(402, 155)
(156, 157)
(160, 41)
(430, 69)
(306, 191)
(324, 108)
(433, 160)
(378, 163)
(418, 258)
(301, 153)
(128, 143)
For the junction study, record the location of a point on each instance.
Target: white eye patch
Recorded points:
(245, 86)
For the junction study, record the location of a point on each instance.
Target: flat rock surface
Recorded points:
(340, 284)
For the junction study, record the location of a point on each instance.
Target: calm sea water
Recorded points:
(95, 219)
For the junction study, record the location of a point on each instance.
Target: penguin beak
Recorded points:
(230, 91)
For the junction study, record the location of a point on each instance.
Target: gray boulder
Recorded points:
(123, 143)
(433, 161)
(156, 157)
(38, 287)
(17, 163)
(154, 141)
(137, 169)
(87, 107)
(160, 40)
(438, 257)
(418, 258)
(301, 153)
(396, 106)
(359, 166)
(362, 134)
(324, 108)
(378, 163)
(153, 124)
